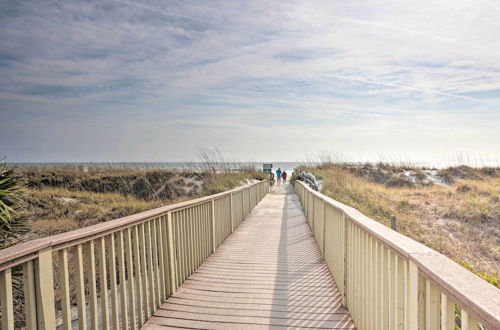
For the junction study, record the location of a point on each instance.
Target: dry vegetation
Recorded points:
(460, 219)
(57, 200)
(60, 199)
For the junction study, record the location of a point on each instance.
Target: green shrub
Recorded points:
(11, 215)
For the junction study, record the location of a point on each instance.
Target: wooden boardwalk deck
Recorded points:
(268, 274)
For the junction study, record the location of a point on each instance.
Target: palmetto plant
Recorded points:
(11, 216)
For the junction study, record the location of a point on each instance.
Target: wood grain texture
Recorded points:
(268, 273)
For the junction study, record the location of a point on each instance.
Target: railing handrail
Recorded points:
(23, 252)
(479, 298)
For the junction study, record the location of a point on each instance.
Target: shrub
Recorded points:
(11, 211)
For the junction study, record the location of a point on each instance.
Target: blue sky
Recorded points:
(152, 80)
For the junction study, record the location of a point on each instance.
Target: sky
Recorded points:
(149, 80)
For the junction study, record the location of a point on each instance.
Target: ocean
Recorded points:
(188, 166)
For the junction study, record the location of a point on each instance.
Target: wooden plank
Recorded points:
(150, 267)
(155, 269)
(163, 255)
(30, 295)
(431, 306)
(144, 272)
(447, 313)
(413, 297)
(6, 299)
(113, 282)
(465, 320)
(130, 280)
(172, 266)
(268, 273)
(122, 274)
(138, 278)
(94, 320)
(103, 277)
(65, 292)
(80, 287)
(44, 283)
(162, 296)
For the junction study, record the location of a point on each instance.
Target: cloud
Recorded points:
(248, 66)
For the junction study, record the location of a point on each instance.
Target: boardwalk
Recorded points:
(265, 272)
(268, 274)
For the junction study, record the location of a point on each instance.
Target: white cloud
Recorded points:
(253, 66)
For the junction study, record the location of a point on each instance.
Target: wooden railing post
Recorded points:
(214, 243)
(344, 252)
(242, 204)
(6, 299)
(172, 262)
(231, 211)
(45, 290)
(324, 226)
(412, 296)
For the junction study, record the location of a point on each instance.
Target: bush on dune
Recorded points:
(12, 218)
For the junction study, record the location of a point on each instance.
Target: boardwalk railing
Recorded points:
(389, 281)
(119, 272)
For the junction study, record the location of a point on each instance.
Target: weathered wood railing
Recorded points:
(389, 281)
(119, 272)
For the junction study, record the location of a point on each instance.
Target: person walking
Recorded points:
(283, 175)
(278, 175)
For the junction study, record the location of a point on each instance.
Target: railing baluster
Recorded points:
(395, 281)
(176, 221)
(92, 285)
(144, 271)
(172, 261)
(197, 237)
(214, 244)
(101, 252)
(401, 280)
(447, 313)
(138, 277)
(80, 288)
(150, 268)
(164, 253)
(113, 281)
(464, 320)
(154, 270)
(431, 306)
(44, 282)
(158, 246)
(123, 279)
(413, 296)
(65, 292)
(30, 295)
(130, 278)
(185, 246)
(190, 241)
(390, 290)
(6, 299)
(162, 243)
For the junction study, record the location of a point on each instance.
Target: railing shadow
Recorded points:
(306, 289)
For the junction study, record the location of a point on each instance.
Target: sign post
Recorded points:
(267, 168)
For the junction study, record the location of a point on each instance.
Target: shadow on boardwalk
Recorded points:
(268, 274)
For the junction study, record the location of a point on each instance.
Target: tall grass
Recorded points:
(459, 220)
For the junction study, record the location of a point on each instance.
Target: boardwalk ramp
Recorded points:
(268, 273)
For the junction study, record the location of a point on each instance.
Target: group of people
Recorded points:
(280, 176)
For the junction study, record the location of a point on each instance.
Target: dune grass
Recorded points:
(461, 220)
(57, 200)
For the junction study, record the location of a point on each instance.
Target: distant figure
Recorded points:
(271, 179)
(283, 175)
(278, 175)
